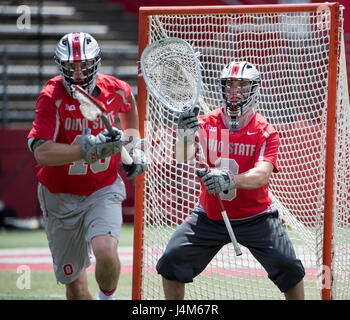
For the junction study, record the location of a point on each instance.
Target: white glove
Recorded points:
(217, 180)
(101, 146)
(136, 150)
(188, 125)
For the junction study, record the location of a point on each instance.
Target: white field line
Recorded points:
(43, 256)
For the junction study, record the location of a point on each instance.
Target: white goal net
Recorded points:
(293, 48)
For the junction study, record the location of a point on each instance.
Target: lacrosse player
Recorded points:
(80, 191)
(241, 150)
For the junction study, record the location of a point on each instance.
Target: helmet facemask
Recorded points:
(239, 96)
(82, 73)
(78, 57)
(239, 86)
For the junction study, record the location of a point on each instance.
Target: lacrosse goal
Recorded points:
(299, 51)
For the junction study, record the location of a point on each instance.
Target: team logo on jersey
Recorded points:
(210, 128)
(70, 107)
(110, 101)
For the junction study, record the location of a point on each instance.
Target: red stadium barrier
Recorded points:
(18, 182)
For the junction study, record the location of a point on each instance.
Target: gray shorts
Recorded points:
(195, 243)
(72, 221)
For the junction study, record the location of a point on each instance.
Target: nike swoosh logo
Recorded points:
(250, 133)
(110, 101)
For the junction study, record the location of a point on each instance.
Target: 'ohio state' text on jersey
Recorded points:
(58, 118)
(237, 151)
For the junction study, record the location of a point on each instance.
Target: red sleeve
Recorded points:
(125, 93)
(269, 149)
(45, 125)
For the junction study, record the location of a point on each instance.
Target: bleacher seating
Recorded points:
(26, 54)
(26, 63)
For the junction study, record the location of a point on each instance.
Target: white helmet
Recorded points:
(78, 57)
(238, 100)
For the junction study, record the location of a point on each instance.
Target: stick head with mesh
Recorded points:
(88, 107)
(171, 71)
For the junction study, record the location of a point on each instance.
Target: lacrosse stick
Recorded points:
(220, 204)
(172, 73)
(91, 108)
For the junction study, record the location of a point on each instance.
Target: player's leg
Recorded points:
(103, 224)
(78, 289)
(296, 292)
(64, 228)
(190, 249)
(173, 289)
(107, 263)
(271, 246)
(70, 264)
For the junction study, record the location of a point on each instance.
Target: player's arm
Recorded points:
(46, 151)
(265, 164)
(91, 149)
(134, 145)
(49, 153)
(130, 120)
(256, 177)
(187, 127)
(219, 180)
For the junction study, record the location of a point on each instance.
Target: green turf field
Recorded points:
(37, 238)
(43, 285)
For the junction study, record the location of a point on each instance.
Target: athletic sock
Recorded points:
(106, 295)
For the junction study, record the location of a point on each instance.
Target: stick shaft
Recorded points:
(228, 225)
(107, 125)
(221, 206)
(126, 158)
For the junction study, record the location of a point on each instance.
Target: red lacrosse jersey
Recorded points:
(237, 151)
(58, 118)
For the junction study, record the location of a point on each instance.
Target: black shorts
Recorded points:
(195, 243)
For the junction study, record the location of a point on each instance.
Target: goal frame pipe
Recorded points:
(334, 52)
(140, 181)
(144, 13)
(302, 7)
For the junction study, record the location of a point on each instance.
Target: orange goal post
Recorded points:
(299, 51)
